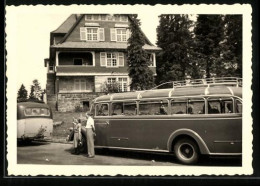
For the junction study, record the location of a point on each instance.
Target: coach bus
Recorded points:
(188, 120)
(34, 121)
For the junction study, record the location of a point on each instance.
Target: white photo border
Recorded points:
(58, 170)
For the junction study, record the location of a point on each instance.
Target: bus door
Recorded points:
(123, 131)
(102, 124)
(227, 129)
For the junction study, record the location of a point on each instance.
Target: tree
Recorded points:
(36, 91)
(138, 59)
(232, 46)
(209, 34)
(22, 94)
(175, 38)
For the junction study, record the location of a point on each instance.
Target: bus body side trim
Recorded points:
(135, 149)
(202, 145)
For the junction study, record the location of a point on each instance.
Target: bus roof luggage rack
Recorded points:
(207, 82)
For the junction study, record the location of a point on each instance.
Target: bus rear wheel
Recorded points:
(186, 151)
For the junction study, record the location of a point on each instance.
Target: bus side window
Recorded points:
(117, 109)
(130, 108)
(153, 107)
(214, 106)
(196, 106)
(238, 106)
(220, 105)
(179, 106)
(102, 109)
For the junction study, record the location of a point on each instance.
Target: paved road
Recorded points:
(60, 154)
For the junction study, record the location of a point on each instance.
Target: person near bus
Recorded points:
(163, 110)
(90, 128)
(77, 136)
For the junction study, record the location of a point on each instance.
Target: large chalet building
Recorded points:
(86, 51)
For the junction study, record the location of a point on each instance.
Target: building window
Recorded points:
(122, 84)
(79, 84)
(92, 34)
(111, 80)
(96, 17)
(103, 17)
(121, 35)
(78, 61)
(88, 17)
(107, 17)
(111, 59)
(124, 18)
(152, 60)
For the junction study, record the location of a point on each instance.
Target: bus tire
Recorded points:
(186, 151)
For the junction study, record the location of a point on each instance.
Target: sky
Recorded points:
(32, 33)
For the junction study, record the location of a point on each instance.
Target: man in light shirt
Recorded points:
(90, 128)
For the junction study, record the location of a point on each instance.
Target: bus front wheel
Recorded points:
(186, 151)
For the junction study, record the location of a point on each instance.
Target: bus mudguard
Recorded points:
(188, 132)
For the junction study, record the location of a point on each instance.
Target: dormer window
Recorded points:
(106, 17)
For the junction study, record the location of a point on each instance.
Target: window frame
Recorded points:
(187, 102)
(159, 102)
(102, 103)
(84, 33)
(117, 81)
(125, 102)
(121, 35)
(80, 87)
(218, 98)
(120, 59)
(40, 115)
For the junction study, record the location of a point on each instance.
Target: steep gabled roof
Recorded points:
(66, 25)
(72, 28)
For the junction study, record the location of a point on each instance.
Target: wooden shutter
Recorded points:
(103, 59)
(83, 33)
(128, 34)
(112, 34)
(83, 84)
(120, 59)
(76, 84)
(101, 34)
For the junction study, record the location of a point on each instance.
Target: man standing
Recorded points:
(90, 128)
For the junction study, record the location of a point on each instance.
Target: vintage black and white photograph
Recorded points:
(130, 90)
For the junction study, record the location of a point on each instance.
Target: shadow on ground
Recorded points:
(31, 143)
(160, 157)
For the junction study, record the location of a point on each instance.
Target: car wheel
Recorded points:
(186, 151)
